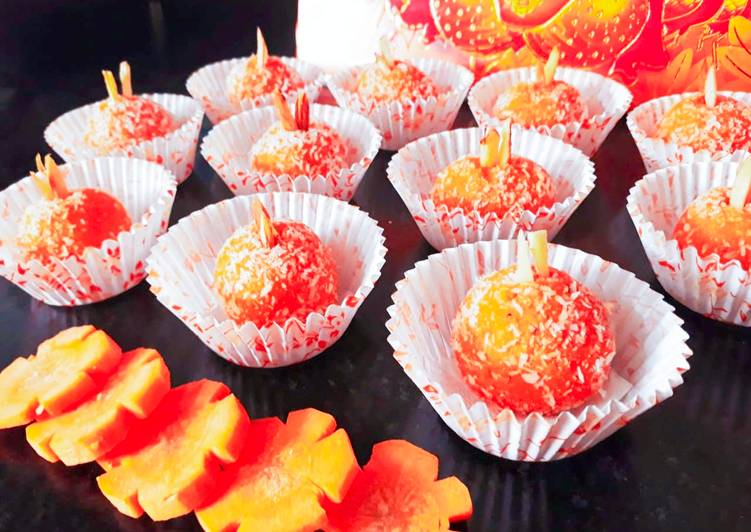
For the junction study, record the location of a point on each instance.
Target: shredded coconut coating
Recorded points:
(722, 128)
(540, 104)
(61, 228)
(246, 81)
(318, 151)
(505, 190)
(128, 120)
(264, 285)
(539, 347)
(390, 81)
(712, 225)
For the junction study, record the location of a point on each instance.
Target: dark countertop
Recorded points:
(683, 465)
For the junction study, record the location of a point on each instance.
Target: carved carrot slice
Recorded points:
(67, 368)
(98, 424)
(284, 475)
(171, 460)
(397, 490)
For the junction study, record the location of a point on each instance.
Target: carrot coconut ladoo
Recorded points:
(533, 340)
(708, 122)
(494, 182)
(67, 368)
(271, 271)
(398, 490)
(124, 119)
(296, 146)
(720, 221)
(284, 475)
(544, 102)
(66, 222)
(261, 75)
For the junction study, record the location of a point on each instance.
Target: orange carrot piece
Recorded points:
(284, 476)
(68, 368)
(171, 461)
(98, 424)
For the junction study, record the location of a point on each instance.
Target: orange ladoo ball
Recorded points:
(540, 104)
(505, 190)
(264, 284)
(127, 120)
(65, 227)
(712, 225)
(319, 150)
(390, 81)
(543, 347)
(246, 81)
(724, 127)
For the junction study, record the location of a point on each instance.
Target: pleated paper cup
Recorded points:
(147, 191)
(717, 289)
(403, 121)
(413, 170)
(181, 271)
(605, 99)
(227, 149)
(208, 85)
(650, 354)
(176, 151)
(643, 121)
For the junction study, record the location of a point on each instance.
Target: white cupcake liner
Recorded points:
(643, 121)
(147, 191)
(402, 122)
(227, 149)
(412, 172)
(605, 99)
(719, 290)
(181, 271)
(176, 151)
(208, 85)
(650, 355)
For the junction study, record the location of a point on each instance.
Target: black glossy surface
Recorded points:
(683, 465)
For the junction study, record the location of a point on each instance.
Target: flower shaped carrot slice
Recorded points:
(170, 462)
(285, 474)
(67, 368)
(101, 422)
(398, 490)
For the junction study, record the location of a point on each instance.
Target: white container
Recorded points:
(401, 122)
(650, 354)
(227, 149)
(718, 290)
(181, 271)
(176, 150)
(412, 172)
(147, 191)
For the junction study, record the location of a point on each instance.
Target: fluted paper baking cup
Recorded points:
(707, 285)
(147, 191)
(208, 85)
(650, 354)
(227, 149)
(412, 172)
(181, 266)
(644, 119)
(402, 122)
(176, 151)
(605, 99)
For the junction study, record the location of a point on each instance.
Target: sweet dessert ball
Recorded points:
(542, 345)
(504, 185)
(260, 75)
(297, 147)
(271, 271)
(124, 120)
(391, 80)
(67, 222)
(544, 102)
